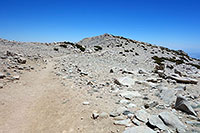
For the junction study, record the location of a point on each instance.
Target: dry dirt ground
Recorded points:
(38, 102)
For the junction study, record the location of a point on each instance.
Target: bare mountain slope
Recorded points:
(101, 84)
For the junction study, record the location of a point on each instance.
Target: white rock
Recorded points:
(139, 129)
(125, 81)
(142, 115)
(126, 122)
(130, 94)
(86, 103)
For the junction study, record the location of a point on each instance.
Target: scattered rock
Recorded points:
(1, 85)
(103, 115)
(86, 103)
(193, 123)
(184, 80)
(126, 122)
(130, 94)
(17, 77)
(172, 121)
(142, 115)
(151, 105)
(139, 129)
(95, 115)
(124, 81)
(183, 105)
(2, 75)
(21, 60)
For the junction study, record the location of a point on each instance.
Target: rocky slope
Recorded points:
(123, 85)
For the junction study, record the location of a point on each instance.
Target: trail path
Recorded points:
(39, 102)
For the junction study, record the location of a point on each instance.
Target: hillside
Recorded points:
(100, 84)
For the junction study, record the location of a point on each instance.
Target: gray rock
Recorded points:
(184, 80)
(168, 95)
(130, 94)
(103, 115)
(137, 122)
(154, 120)
(180, 88)
(172, 121)
(183, 105)
(2, 75)
(126, 122)
(142, 115)
(125, 81)
(139, 129)
(193, 123)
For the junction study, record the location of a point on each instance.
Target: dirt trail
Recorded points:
(39, 102)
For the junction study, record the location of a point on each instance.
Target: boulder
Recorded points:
(139, 129)
(183, 105)
(124, 81)
(172, 121)
(155, 121)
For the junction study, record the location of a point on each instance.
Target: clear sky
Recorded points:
(171, 23)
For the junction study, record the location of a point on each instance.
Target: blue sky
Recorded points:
(171, 23)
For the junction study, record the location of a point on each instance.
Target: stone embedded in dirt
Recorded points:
(181, 88)
(16, 77)
(151, 104)
(86, 103)
(172, 121)
(184, 80)
(131, 105)
(21, 60)
(142, 115)
(127, 112)
(130, 94)
(1, 85)
(154, 80)
(139, 129)
(155, 121)
(95, 115)
(114, 114)
(125, 81)
(126, 122)
(103, 115)
(124, 101)
(2, 75)
(119, 117)
(183, 105)
(142, 71)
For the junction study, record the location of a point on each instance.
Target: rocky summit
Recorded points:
(101, 84)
